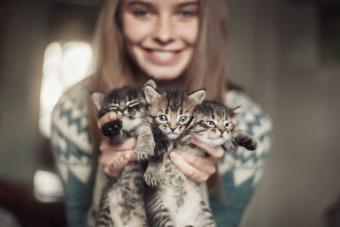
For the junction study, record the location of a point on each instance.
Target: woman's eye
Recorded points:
(182, 118)
(141, 13)
(186, 13)
(163, 117)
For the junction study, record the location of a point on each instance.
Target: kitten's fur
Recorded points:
(180, 201)
(177, 201)
(121, 203)
(171, 199)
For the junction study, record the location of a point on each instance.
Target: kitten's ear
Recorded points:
(234, 110)
(198, 96)
(97, 98)
(151, 94)
(151, 83)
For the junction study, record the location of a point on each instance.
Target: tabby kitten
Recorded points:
(121, 202)
(212, 125)
(166, 205)
(180, 201)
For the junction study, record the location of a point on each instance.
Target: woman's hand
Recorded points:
(196, 168)
(114, 158)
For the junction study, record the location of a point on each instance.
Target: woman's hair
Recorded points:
(114, 68)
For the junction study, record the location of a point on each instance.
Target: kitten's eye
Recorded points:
(133, 106)
(163, 117)
(211, 123)
(113, 108)
(183, 119)
(226, 124)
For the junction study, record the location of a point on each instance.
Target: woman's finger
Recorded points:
(214, 152)
(106, 146)
(206, 165)
(110, 116)
(188, 170)
(115, 164)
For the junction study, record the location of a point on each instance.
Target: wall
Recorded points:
(20, 75)
(275, 54)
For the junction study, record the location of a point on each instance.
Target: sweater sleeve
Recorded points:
(240, 171)
(74, 157)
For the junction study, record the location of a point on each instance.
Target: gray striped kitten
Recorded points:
(177, 201)
(212, 125)
(180, 201)
(121, 202)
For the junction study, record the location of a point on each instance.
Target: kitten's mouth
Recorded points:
(172, 135)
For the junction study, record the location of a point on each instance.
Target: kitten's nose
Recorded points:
(172, 129)
(221, 130)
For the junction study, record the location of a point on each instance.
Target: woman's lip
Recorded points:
(162, 57)
(162, 50)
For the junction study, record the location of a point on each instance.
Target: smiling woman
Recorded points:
(175, 42)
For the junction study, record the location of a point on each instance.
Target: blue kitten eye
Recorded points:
(211, 123)
(163, 117)
(183, 118)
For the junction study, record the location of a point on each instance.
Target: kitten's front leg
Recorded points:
(145, 143)
(154, 174)
(245, 140)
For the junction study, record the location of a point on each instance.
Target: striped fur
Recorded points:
(177, 202)
(121, 202)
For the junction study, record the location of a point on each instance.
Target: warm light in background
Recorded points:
(64, 65)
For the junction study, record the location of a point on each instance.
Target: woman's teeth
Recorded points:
(163, 55)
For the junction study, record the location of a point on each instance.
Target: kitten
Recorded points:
(121, 202)
(171, 112)
(180, 201)
(212, 125)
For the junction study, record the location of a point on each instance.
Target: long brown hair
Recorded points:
(208, 68)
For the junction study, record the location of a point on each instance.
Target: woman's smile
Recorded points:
(162, 57)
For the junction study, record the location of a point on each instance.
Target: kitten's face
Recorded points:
(213, 124)
(172, 111)
(127, 103)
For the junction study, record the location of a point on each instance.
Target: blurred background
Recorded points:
(285, 53)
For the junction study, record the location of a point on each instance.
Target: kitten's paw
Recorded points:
(153, 178)
(252, 145)
(248, 143)
(145, 150)
(112, 128)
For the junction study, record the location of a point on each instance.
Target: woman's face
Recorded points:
(161, 34)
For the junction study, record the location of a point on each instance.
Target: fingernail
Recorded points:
(112, 116)
(174, 155)
(127, 156)
(219, 153)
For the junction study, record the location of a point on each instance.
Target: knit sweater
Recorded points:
(76, 159)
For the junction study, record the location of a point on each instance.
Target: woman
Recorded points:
(180, 42)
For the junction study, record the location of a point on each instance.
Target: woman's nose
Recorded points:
(164, 33)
